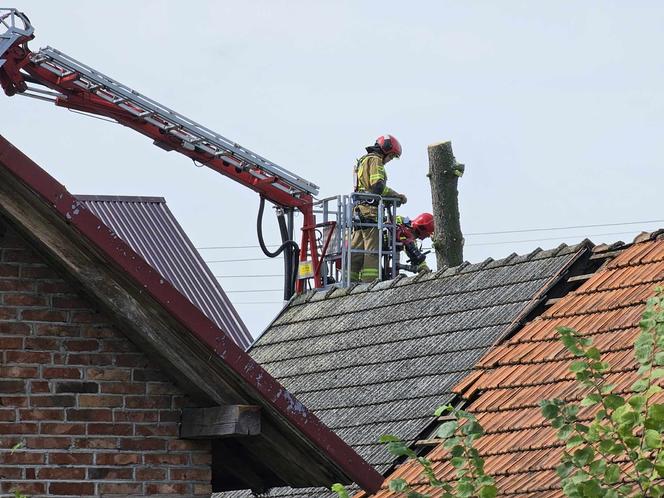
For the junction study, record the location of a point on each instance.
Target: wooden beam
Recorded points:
(579, 278)
(220, 421)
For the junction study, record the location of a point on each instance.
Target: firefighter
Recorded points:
(408, 231)
(370, 177)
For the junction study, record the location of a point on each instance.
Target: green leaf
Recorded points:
(652, 439)
(565, 431)
(447, 429)
(398, 485)
(593, 353)
(465, 490)
(644, 465)
(583, 456)
(340, 490)
(489, 491)
(457, 462)
(574, 441)
(388, 438)
(613, 401)
(549, 409)
(657, 373)
(637, 402)
(612, 474)
(591, 399)
(443, 409)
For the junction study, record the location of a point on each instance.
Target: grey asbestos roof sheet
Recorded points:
(150, 229)
(379, 360)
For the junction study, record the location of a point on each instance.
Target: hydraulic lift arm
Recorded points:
(53, 76)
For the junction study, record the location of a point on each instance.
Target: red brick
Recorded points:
(70, 458)
(76, 387)
(150, 474)
(16, 285)
(60, 428)
(117, 488)
(135, 416)
(59, 443)
(89, 359)
(122, 388)
(188, 445)
(28, 488)
(86, 317)
(21, 457)
(118, 458)
(100, 331)
(108, 374)
(81, 345)
(110, 473)
(39, 272)
(12, 386)
(166, 459)
(8, 313)
(202, 489)
(14, 328)
(148, 402)
(94, 400)
(42, 414)
(19, 372)
(8, 270)
(62, 373)
(24, 300)
(142, 375)
(166, 489)
(169, 415)
(11, 343)
(8, 415)
(163, 388)
(96, 443)
(131, 360)
(157, 430)
(68, 473)
(47, 329)
(62, 400)
(71, 488)
(44, 315)
(201, 458)
(190, 474)
(14, 401)
(24, 357)
(18, 428)
(11, 473)
(20, 256)
(118, 346)
(90, 415)
(111, 429)
(30, 473)
(57, 287)
(42, 343)
(143, 444)
(39, 386)
(68, 302)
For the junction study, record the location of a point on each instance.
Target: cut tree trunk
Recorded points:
(444, 174)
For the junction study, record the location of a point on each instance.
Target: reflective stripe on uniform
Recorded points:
(369, 272)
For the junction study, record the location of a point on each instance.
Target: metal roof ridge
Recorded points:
(120, 198)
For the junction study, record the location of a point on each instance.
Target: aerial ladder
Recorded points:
(53, 76)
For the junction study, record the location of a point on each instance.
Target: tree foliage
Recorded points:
(458, 435)
(614, 448)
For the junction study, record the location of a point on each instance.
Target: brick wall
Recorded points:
(93, 416)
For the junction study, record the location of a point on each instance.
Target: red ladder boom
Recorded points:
(76, 86)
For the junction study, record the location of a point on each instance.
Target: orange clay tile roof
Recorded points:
(519, 447)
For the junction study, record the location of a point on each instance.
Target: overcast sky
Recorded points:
(556, 109)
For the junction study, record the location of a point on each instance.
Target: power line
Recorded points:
(258, 302)
(249, 276)
(251, 291)
(500, 232)
(238, 260)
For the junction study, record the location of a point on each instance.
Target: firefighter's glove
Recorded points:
(402, 199)
(423, 268)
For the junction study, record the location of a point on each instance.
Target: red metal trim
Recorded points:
(54, 195)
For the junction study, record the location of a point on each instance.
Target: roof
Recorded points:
(519, 447)
(379, 359)
(150, 229)
(294, 448)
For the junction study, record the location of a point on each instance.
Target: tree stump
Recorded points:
(444, 174)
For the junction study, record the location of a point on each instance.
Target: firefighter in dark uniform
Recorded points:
(370, 177)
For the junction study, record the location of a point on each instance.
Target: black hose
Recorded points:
(291, 255)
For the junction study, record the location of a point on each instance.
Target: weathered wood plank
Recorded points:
(220, 421)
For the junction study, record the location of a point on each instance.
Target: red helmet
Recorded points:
(389, 145)
(423, 225)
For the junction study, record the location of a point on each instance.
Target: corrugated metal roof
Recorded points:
(150, 229)
(519, 446)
